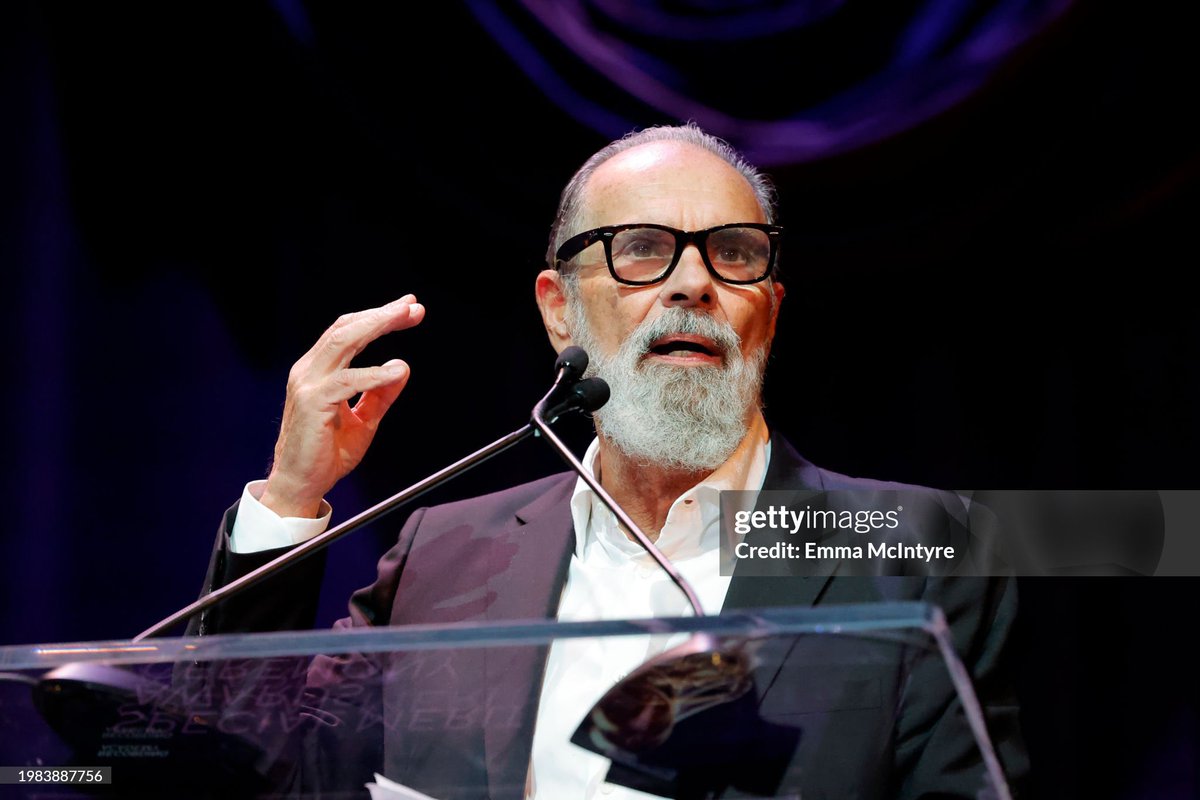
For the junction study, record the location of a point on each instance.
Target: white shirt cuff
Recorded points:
(259, 528)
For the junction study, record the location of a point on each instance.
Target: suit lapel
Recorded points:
(787, 470)
(538, 543)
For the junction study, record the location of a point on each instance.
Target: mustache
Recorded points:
(679, 320)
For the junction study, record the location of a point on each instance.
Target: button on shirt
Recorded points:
(612, 577)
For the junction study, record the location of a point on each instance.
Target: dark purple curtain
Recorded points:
(789, 81)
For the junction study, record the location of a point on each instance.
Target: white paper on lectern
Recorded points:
(383, 789)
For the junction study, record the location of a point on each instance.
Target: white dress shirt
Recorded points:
(610, 577)
(257, 527)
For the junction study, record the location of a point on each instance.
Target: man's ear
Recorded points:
(776, 288)
(552, 302)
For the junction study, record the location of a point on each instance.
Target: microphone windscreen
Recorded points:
(592, 394)
(575, 360)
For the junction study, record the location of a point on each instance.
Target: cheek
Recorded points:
(615, 313)
(752, 320)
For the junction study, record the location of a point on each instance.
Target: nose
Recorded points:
(690, 283)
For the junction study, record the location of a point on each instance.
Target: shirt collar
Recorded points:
(692, 525)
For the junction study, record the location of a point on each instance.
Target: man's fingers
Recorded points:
(346, 319)
(347, 337)
(374, 403)
(345, 383)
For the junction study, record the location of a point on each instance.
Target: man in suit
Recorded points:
(663, 259)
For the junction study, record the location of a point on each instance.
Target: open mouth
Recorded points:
(686, 346)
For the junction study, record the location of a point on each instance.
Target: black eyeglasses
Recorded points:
(640, 254)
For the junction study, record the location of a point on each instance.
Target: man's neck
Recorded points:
(646, 491)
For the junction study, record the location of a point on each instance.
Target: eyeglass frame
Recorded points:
(581, 241)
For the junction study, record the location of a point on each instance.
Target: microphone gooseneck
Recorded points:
(584, 395)
(596, 395)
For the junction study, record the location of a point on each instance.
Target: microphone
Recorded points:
(571, 363)
(586, 396)
(569, 367)
(591, 393)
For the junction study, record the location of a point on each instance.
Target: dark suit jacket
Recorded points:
(888, 727)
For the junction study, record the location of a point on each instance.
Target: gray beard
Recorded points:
(684, 418)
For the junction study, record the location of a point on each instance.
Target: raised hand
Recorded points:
(322, 438)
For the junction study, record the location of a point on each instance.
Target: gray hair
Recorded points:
(569, 205)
